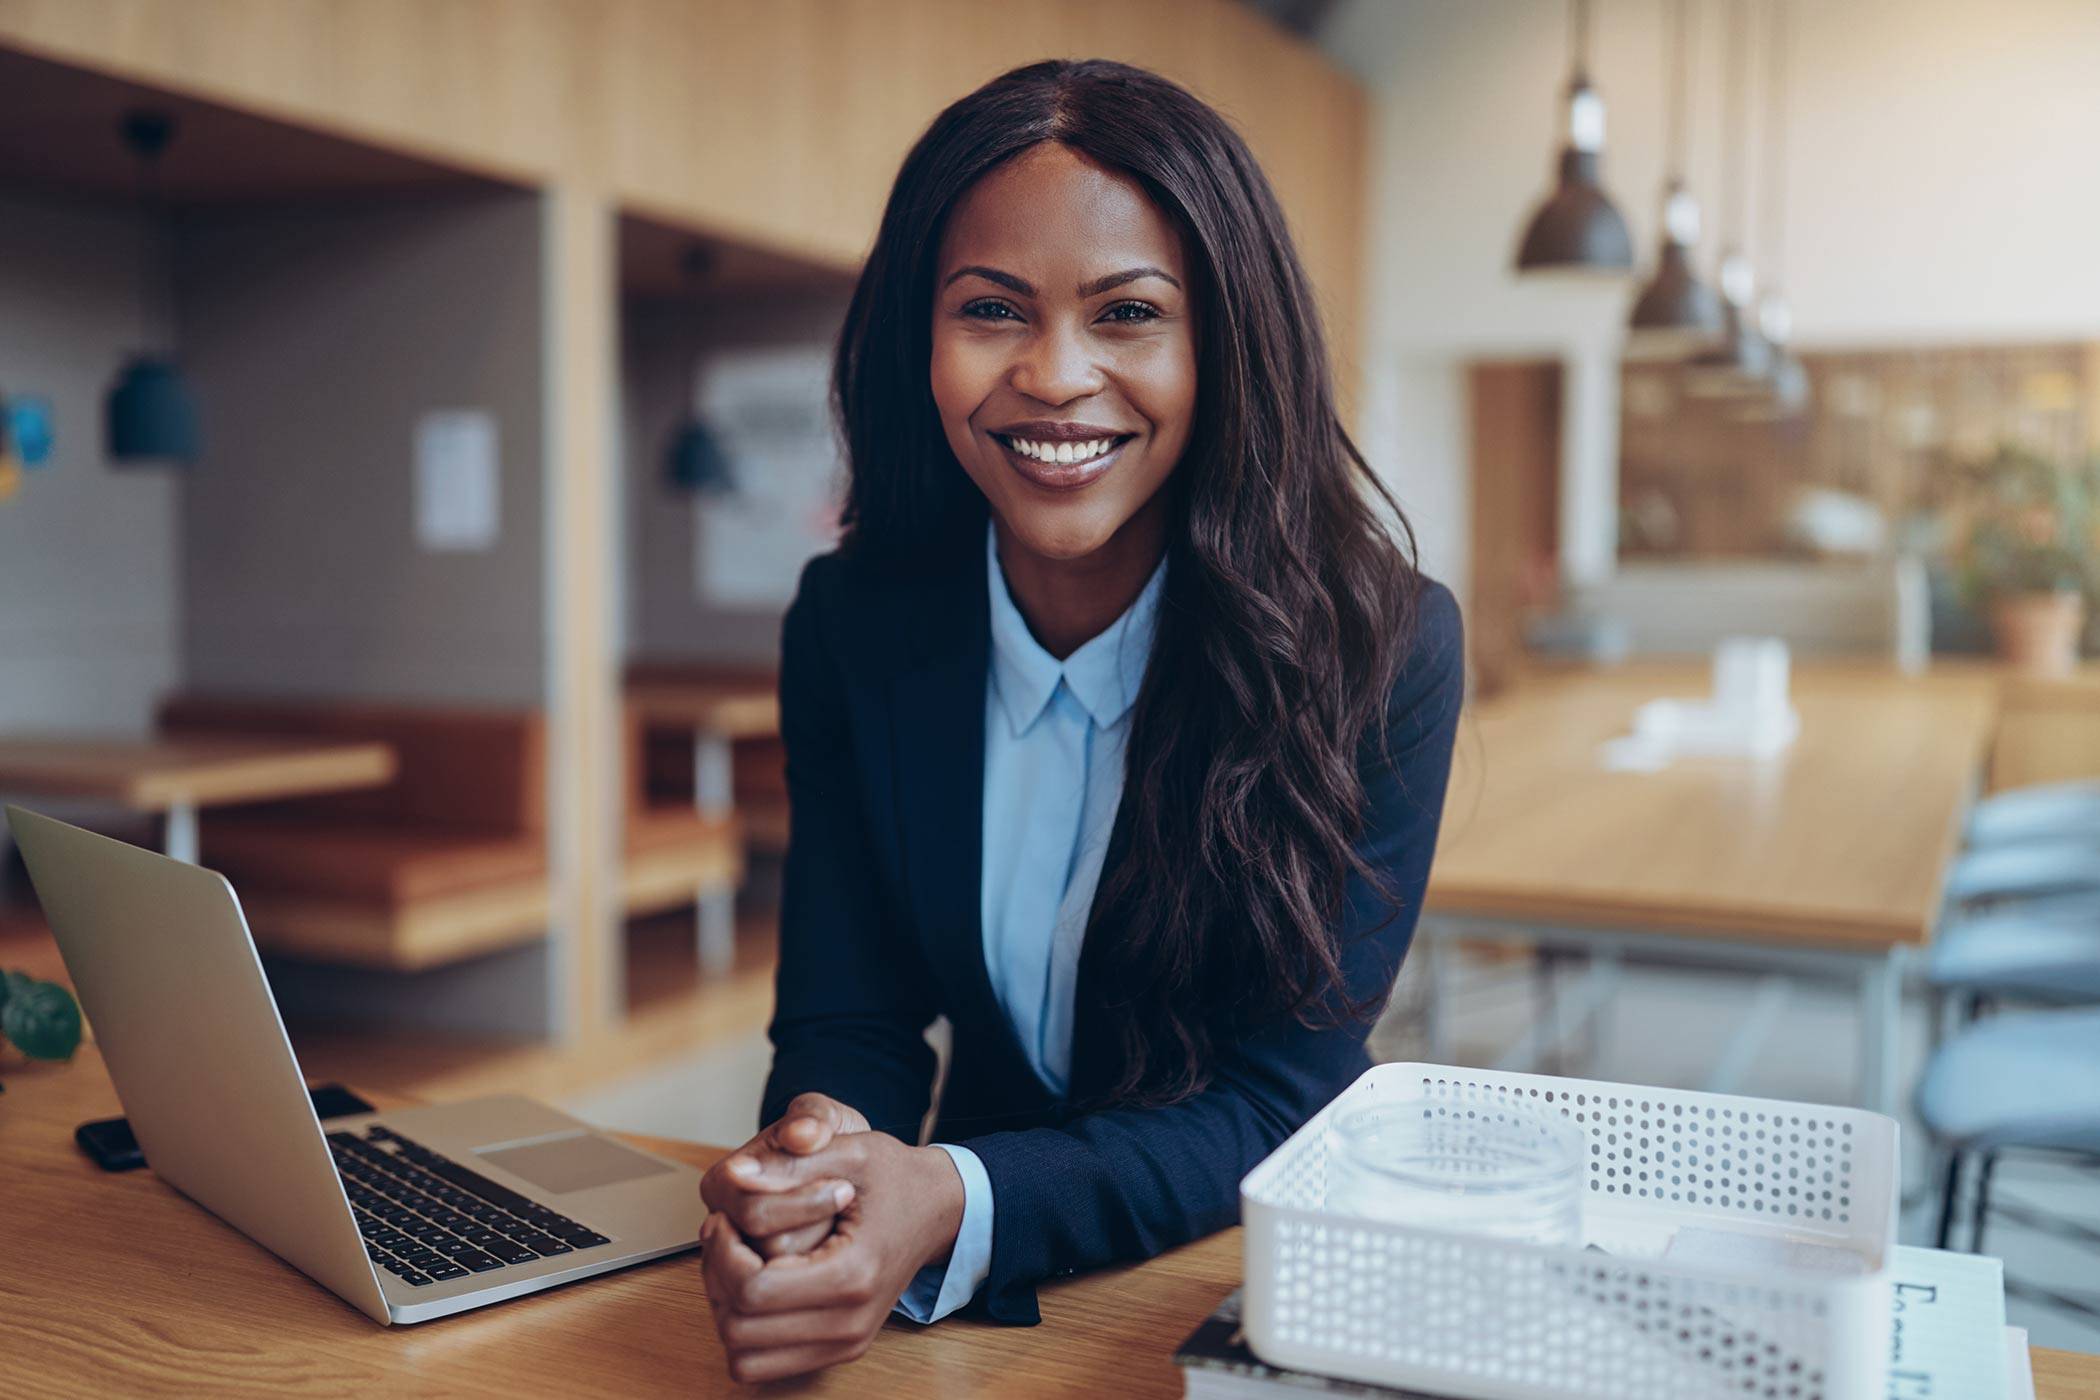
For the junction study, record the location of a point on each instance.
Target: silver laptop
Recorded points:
(407, 1215)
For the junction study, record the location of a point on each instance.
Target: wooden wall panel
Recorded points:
(780, 123)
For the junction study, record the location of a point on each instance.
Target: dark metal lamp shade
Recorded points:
(1578, 228)
(697, 462)
(152, 417)
(1738, 367)
(1676, 313)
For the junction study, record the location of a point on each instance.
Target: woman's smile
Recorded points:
(1060, 456)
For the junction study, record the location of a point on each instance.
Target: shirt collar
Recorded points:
(1103, 674)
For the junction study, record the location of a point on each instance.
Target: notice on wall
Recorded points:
(770, 411)
(456, 480)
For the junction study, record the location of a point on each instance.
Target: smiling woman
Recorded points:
(1117, 732)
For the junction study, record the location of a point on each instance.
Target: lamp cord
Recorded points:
(1579, 41)
(156, 282)
(1735, 122)
(1676, 45)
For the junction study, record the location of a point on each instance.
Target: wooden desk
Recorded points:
(177, 776)
(1825, 859)
(116, 1285)
(1839, 840)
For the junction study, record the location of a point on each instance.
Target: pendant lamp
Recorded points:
(1736, 366)
(1577, 228)
(1676, 312)
(151, 416)
(697, 461)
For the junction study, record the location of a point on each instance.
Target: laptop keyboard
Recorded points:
(426, 1218)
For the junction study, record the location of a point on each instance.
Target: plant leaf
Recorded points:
(41, 1018)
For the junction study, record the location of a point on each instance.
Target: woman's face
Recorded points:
(1064, 348)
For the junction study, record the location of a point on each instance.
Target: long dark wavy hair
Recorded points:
(1290, 585)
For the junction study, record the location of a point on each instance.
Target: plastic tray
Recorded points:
(1461, 1316)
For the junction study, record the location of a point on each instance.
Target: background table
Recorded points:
(1826, 859)
(179, 776)
(117, 1285)
(719, 709)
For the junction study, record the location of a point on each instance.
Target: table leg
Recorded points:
(180, 842)
(1880, 1020)
(714, 793)
(714, 774)
(717, 925)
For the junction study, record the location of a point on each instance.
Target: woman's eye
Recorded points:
(1128, 311)
(990, 310)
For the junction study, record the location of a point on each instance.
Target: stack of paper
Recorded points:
(1948, 1341)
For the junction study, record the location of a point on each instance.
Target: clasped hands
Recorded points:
(815, 1227)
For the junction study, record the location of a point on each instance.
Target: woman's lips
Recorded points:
(1061, 476)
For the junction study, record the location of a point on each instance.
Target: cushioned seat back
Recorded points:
(483, 769)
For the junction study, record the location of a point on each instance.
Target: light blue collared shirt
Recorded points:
(1054, 734)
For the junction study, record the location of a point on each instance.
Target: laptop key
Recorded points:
(445, 1269)
(585, 1239)
(412, 1278)
(511, 1253)
(539, 1243)
(479, 1262)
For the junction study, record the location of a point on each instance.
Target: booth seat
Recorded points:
(446, 862)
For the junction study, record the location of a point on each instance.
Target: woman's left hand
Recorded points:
(800, 1312)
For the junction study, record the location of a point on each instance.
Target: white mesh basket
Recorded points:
(1485, 1320)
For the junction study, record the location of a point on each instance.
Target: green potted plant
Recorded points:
(2024, 527)
(40, 1019)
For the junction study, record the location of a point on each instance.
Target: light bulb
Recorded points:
(1585, 119)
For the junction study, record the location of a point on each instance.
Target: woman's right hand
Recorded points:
(754, 1191)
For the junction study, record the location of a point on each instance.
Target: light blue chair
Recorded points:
(2028, 869)
(2045, 949)
(2022, 1082)
(2040, 812)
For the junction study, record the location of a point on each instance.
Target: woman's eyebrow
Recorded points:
(1116, 279)
(991, 274)
(1085, 289)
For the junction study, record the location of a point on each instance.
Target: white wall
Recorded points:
(1941, 188)
(661, 339)
(90, 607)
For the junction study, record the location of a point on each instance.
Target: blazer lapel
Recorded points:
(1094, 1066)
(937, 729)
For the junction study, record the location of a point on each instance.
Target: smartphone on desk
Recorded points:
(110, 1145)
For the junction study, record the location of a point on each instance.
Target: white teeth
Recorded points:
(1062, 453)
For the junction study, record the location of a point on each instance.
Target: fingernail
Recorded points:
(842, 1194)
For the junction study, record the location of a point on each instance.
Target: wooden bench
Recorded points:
(448, 861)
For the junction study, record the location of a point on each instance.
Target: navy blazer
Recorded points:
(882, 699)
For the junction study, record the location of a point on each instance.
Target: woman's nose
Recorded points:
(1056, 367)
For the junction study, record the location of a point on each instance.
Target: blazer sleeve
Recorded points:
(853, 999)
(1127, 1183)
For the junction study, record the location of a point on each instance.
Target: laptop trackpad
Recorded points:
(578, 1162)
